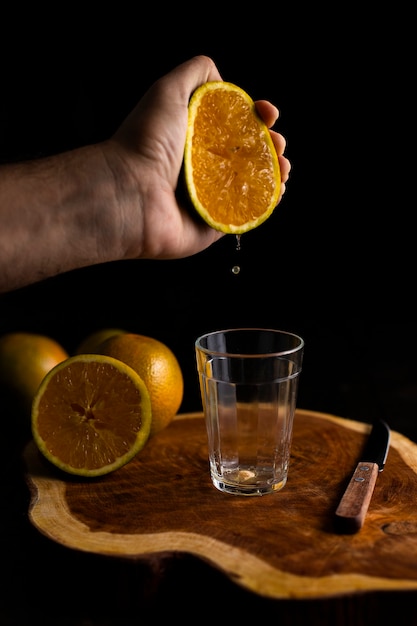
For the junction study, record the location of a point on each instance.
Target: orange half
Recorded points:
(91, 415)
(231, 167)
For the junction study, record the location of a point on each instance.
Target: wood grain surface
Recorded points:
(282, 545)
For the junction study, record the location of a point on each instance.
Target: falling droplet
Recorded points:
(236, 268)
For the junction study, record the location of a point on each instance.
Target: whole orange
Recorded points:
(25, 359)
(158, 367)
(91, 342)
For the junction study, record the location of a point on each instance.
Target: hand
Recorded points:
(150, 146)
(113, 200)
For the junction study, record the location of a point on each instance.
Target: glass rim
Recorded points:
(223, 353)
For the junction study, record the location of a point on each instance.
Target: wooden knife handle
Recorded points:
(350, 514)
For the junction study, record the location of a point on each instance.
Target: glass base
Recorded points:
(240, 489)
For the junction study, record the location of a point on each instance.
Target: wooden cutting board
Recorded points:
(282, 545)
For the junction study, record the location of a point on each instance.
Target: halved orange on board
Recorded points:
(231, 167)
(91, 415)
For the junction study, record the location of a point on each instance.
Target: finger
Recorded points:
(285, 168)
(192, 73)
(282, 192)
(279, 141)
(280, 146)
(267, 111)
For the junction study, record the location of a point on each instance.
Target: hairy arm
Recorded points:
(113, 200)
(50, 210)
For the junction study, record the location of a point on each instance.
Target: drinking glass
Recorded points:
(249, 383)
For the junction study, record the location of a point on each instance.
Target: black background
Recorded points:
(334, 263)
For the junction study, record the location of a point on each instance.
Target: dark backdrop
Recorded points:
(334, 263)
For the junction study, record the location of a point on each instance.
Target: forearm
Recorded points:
(45, 227)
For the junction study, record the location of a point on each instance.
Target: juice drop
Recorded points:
(236, 268)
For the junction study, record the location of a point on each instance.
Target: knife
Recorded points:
(351, 511)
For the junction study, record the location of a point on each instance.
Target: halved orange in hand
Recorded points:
(231, 167)
(91, 415)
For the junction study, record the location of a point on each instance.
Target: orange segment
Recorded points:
(231, 168)
(91, 415)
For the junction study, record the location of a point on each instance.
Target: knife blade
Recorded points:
(353, 506)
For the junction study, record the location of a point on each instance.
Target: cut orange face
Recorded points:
(231, 167)
(91, 415)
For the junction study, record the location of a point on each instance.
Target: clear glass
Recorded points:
(249, 383)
